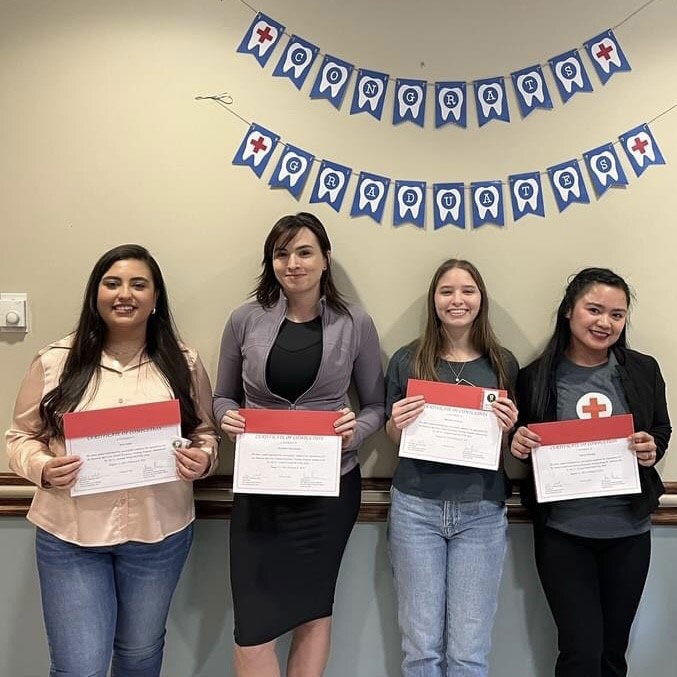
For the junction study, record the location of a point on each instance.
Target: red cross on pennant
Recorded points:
(259, 144)
(264, 34)
(594, 408)
(604, 51)
(639, 145)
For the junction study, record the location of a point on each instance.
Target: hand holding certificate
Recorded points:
(584, 458)
(457, 426)
(286, 452)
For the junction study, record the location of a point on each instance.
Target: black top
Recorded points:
(295, 358)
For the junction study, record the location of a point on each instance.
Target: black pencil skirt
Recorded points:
(285, 553)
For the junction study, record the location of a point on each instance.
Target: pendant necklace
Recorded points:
(457, 374)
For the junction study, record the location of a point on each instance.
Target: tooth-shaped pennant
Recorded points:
(370, 93)
(410, 101)
(332, 80)
(641, 148)
(487, 203)
(570, 75)
(331, 184)
(449, 204)
(567, 184)
(530, 89)
(606, 55)
(292, 170)
(256, 148)
(370, 196)
(451, 104)
(492, 104)
(604, 168)
(261, 38)
(409, 203)
(526, 195)
(296, 60)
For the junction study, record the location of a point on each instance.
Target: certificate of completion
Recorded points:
(124, 447)
(457, 425)
(585, 458)
(294, 453)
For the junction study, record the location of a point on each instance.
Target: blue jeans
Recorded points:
(108, 601)
(447, 560)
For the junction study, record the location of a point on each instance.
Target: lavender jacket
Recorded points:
(350, 351)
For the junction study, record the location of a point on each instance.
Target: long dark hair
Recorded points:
(82, 363)
(561, 337)
(267, 291)
(430, 346)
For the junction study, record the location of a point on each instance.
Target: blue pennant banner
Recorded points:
(451, 104)
(641, 149)
(567, 184)
(526, 195)
(370, 196)
(332, 80)
(296, 60)
(261, 38)
(606, 55)
(492, 103)
(531, 90)
(331, 184)
(256, 148)
(292, 170)
(370, 93)
(487, 203)
(570, 75)
(604, 168)
(410, 101)
(409, 203)
(449, 204)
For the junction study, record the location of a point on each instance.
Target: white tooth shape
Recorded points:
(371, 90)
(250, 150)
(411, 207)
(335, 84)
(371, 193)
(297, 67)
(255, 42)
(487, 106)
(446, 110)
(564, 189)
(604, 174)
(568, 82)
(613, 55)
(532, 200)
(295, 172)
(482, 208)
(638, 142)
(413, 91)
(530, 95)
(444, 198)
(325, 185)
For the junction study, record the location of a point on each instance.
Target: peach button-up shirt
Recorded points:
(147, 514)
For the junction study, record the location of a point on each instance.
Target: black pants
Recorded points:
(593, 587)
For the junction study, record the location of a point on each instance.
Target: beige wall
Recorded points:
(103, 143)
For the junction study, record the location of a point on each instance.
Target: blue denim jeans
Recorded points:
(109, 601)
(447, 559)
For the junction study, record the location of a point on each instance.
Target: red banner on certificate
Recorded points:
(121, 419)
(290, 421)
(453, 395)
(584, 430)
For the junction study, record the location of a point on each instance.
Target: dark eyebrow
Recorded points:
(613, 310)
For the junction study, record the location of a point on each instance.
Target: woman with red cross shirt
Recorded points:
(592, 554)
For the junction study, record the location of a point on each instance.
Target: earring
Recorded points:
(152, 312)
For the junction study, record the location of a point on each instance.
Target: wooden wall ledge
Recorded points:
(214, 497)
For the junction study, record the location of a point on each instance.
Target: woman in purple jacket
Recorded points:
(298, 345)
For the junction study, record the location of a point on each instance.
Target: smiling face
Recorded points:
(596, 322)
(299, 264)
(457, 300)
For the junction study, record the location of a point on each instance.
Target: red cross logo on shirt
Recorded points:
(594, 408)
(604, 51)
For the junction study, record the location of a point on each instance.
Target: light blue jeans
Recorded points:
(108, 601)
(447, 560)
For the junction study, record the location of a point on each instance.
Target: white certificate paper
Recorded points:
(585, 458)
(124, 447)
(457, 425)
(293, 453)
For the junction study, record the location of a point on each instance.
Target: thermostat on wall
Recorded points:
(13, 313)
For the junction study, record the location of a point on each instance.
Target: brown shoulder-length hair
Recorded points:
(429, 347)
(267, 291)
